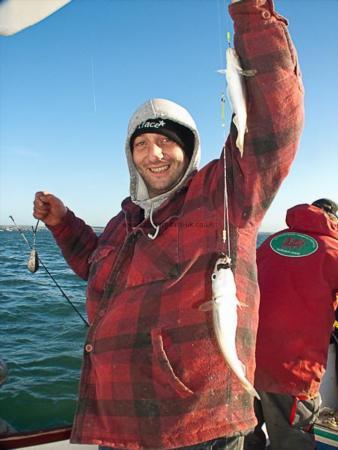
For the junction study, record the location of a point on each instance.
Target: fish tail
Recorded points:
(251, 390)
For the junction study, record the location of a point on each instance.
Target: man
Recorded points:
(153, 376)
(298, 280)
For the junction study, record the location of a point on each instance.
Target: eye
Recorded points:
(166, 140)
(139, 144)
(213, 276)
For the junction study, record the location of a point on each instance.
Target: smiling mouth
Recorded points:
(159, 169)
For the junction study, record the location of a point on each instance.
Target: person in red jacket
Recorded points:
(153, 376)
(298, 281)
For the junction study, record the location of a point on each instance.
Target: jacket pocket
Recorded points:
(165, 372)
(101, 263)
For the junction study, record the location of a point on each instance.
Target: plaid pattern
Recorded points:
(153, 376)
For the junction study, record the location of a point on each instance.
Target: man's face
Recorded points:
(160, 162)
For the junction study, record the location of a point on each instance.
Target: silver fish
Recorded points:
(237, 93)
(33, 261)
(224, 305)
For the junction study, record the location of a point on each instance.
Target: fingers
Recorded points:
(41, 206)
(43, 197)
(48, 208)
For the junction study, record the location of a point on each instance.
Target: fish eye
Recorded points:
(213, 276)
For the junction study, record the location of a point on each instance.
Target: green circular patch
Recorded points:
(294, 245)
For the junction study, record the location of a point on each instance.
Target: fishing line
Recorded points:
(36, 228)
(91, 48)
(226, 227)
(219, 12)
(34, 233)
(47, 271)
(93, 82)
(221, 59)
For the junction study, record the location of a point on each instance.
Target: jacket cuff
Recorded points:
(65, 223)
(250, 14)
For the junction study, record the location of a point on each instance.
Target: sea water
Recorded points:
(41, 335)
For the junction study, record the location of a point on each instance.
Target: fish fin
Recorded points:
(243, 368)
(207, 306)
(241, 304)
(239, 142)
(244, 72)
(252, 391)
(239, 69)
(247, 385)
(248, 72)
(256, 394)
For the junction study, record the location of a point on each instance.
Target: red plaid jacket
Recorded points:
(153, 376)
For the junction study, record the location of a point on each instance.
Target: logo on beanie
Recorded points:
(151, 124)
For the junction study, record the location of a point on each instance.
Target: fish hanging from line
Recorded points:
(224, 305)
(237, 93)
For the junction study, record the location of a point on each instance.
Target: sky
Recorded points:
(69, 84)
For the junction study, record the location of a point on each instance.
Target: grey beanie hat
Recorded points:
(173, 130)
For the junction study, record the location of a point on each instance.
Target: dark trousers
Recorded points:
(289, 422)
(230, 443)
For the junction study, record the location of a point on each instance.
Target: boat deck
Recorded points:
(62, 445)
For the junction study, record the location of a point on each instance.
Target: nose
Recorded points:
(155, 153)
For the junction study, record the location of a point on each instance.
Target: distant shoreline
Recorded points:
(43, 227)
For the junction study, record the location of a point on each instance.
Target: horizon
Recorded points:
(70, 83)
(44, 227)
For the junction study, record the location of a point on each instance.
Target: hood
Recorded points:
(165, 109)
(312, 219)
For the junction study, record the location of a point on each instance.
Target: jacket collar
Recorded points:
(168, 210)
